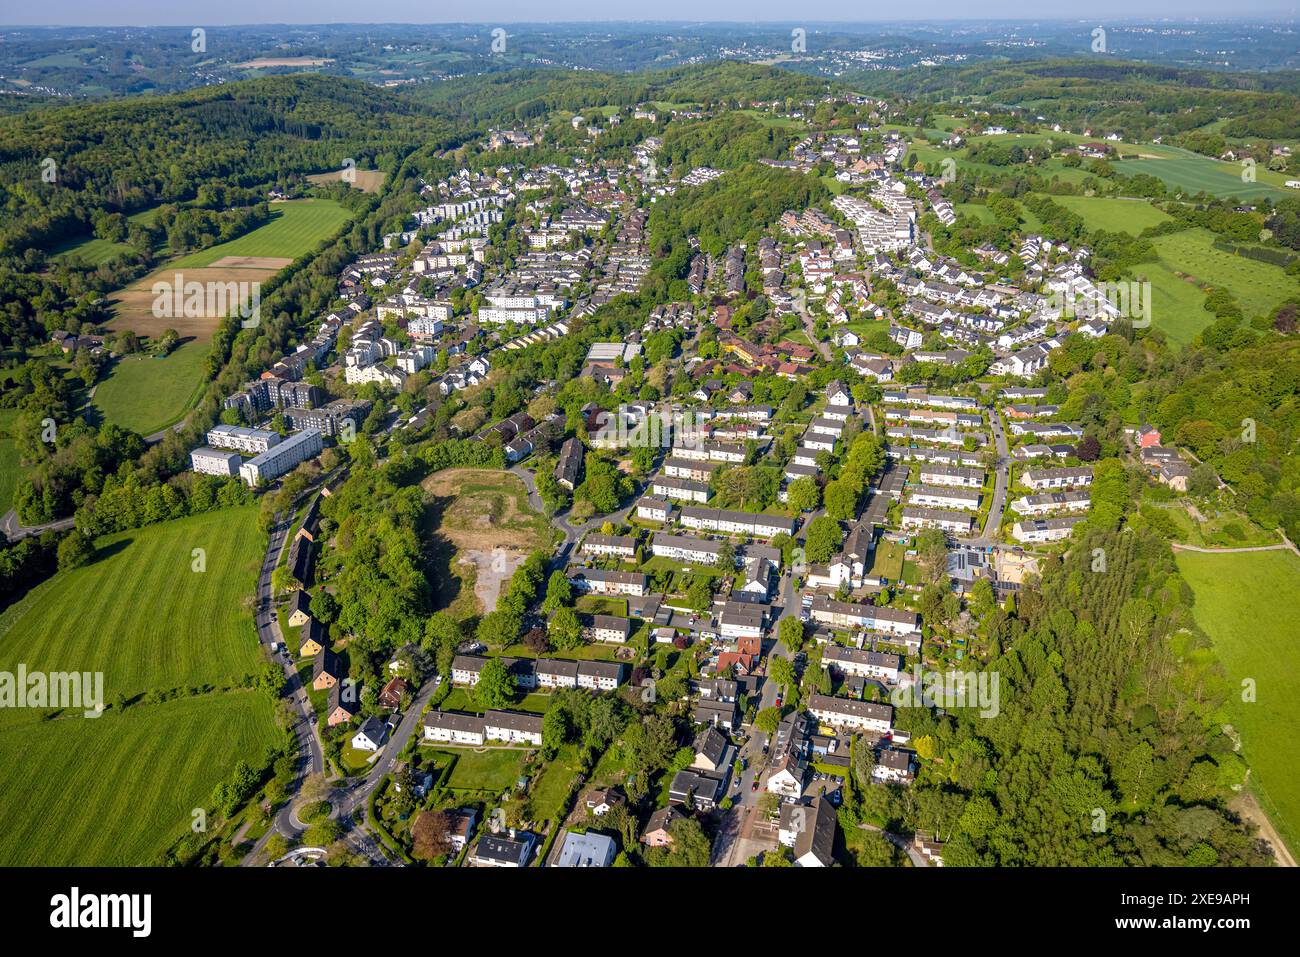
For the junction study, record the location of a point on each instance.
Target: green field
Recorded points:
(95, 251)
(10, 467)
(145, 394)
(1194, 173)
(124, 784)
(296, 228)
(1257, 286)
(492, 770)
(141, 615)
(1245, 602)
(119, 789)
(1114, 215)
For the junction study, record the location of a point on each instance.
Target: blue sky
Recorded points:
(219, 12)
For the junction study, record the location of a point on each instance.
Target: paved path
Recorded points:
(15, 530)
(161, 434)
(809, 331)
(1280, 547)
(902, 843)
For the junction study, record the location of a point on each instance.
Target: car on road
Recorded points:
(754, 786)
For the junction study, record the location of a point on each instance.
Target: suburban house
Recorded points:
(344, 703)
(495, 850)
(314, 639)
(371, 735)
(657, 831)
(591, 849)
(892, 765)
(299, 609)
(391, 696)
(601, 801)
(705, 788)
(713, 752)
(326, 671)
(809, 829)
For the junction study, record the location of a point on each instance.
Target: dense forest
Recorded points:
(1103, 751)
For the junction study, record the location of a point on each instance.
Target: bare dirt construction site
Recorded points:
(482, 529)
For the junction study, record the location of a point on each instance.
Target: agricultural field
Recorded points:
(1258, 286)
(1114, 215)
(144, 618)
(1240, 604)
(95, 251)
(1177, 303)
(124, 785)
(147, 393)
(366, 180)
(141, 615)
(297, 226)
(1194, 173)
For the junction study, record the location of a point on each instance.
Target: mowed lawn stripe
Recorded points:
(120, 789)
(295, 229)
(141, 615)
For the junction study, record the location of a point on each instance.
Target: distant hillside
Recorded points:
(127, 155)
(521, 95)
(1137, 100)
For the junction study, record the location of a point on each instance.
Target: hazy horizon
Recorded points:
(156, 13)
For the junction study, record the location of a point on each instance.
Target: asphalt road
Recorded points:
(14, 530)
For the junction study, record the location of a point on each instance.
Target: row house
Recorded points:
(945, 519)
(940, 496)
(617, 546)
(601, 582)
(734, 522)
(1057, 478)
(1052, 502)
(839, 614)
(857, 715)
(1038, 530)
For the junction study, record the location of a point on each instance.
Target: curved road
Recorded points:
(14, 530)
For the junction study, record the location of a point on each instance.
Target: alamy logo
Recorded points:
(73, 910)
(949, 689)
(631, 428)
(207, 300)
(53, 689)
(1107, 300)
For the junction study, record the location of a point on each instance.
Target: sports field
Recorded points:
(141, 615)
(145, 393)
(1245, 602)
(125, 783)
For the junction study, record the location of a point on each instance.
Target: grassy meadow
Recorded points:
(1245, 602)
(144, 618)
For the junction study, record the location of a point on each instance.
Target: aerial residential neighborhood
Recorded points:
(739, 458)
